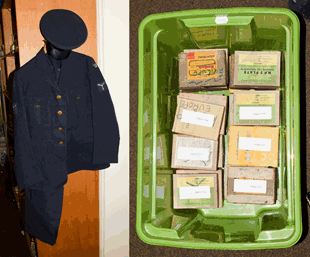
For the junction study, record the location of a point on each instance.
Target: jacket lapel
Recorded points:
(44, 64)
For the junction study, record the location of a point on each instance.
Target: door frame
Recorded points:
(114, 181)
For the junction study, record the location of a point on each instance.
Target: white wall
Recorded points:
(113, 60)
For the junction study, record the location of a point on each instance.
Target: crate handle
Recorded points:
(218, 20)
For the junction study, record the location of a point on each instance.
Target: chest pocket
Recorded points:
(40, 112)
(83, 105)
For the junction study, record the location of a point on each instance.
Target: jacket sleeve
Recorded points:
(26, 167)
(105, 126)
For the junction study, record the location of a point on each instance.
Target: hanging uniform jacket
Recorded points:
(60, 126)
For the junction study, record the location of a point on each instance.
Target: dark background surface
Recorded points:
(139, 9)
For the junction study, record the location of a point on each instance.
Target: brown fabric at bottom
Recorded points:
(79, 225)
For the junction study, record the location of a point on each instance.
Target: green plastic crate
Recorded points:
(235, 226)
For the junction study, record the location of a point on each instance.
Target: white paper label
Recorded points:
(197, 118)
(146, 191)
(178, 226)
(147, 153)
(221, 19)
(255, 113)
(250, 186)
(145, 118)
(158, 155)
(255, 144)
(160, 192)
(194, 192)
(194, 154)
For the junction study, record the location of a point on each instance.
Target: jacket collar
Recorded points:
(45, 65)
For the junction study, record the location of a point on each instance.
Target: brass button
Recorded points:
(60, 128)
(61, 142)
(78, 97)
(58, 97)
(59, 112)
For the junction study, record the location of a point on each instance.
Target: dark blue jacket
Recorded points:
(60, 128)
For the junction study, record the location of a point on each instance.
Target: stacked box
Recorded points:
(194, 153)
(178, 221)
(195, 191)
(250, 185)
(162, 153)
(147, 116)
(226, 67)
(241, 35)
(205, 232)
(198, 118)
(253, 146)
(256, 69)
(221, 157)
(219, 173)
(199, 70)
(212, 99)
(163, 217)
(210, 36)
(163, 189)
(259, 108)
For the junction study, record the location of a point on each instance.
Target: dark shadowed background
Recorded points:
(139, 9)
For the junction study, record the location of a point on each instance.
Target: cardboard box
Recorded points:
(178, 222)
(231, 110)
(205, 232)
(219, 173)
(259, 108)
(231, 70)
(211, 36)
(212, 99)
(198, 118)
(162, 218)
(202, 69)
(241, 35)
(221, 157)
(162, 154)
(163, 190)
(253, 146)
(194, 153)
(195, 191)
(256, 69)
(161, 171)
(250, 185)
(147, 116)
(211, 88)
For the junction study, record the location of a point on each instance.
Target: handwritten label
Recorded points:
(202, 65)
(197, 118)
(145, 118)
(221, 19)
(194, 192)
(255, 113)
(160, 192)
(255, 144)
(158, 156)
(250, 186)
(147, 153)
(195, 105)
(146, 191)
(195, 154)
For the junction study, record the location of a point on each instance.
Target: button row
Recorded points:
(59, 97)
